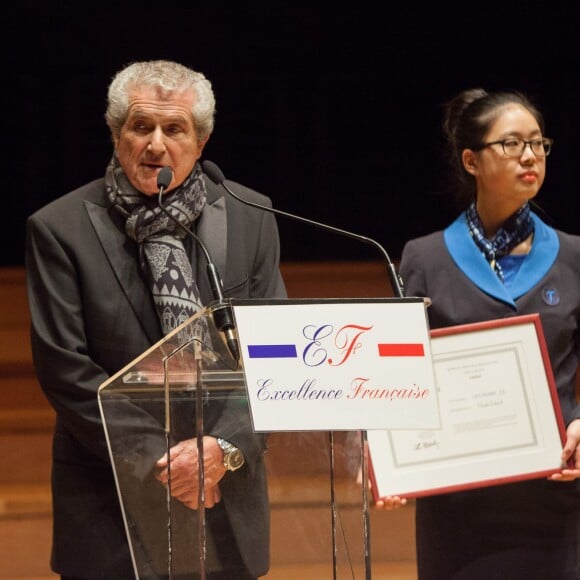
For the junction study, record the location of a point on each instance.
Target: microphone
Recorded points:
(222, 313)
(216, 175)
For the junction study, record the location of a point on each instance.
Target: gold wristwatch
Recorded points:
(233, 457)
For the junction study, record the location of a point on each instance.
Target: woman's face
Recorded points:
(507, 182)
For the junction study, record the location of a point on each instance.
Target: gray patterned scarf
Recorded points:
(161, 251)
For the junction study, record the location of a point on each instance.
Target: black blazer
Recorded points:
(92, 314)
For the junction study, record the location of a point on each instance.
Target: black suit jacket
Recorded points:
(92, 314)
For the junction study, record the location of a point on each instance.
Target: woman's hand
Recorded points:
(571, 451)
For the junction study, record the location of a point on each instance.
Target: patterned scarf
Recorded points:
(161, 251)
(514, 231)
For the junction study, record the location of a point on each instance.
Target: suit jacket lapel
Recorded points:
(125, 265)
(212, 231)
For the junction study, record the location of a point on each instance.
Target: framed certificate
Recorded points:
(500, 418)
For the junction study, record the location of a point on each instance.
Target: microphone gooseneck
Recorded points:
(222, 312)
(216, 175)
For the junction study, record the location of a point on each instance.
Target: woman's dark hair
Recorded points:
(467, 118)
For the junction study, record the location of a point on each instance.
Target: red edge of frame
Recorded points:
(483, 325)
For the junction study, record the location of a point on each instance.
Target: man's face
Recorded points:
(159, 131)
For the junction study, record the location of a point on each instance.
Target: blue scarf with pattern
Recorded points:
(513, 231)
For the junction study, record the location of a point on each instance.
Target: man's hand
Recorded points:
(185, 471)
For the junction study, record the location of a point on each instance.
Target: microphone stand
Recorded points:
(216, 175)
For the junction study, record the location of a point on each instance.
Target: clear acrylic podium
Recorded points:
(183, 388)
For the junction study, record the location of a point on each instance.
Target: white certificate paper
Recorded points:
(499, 414)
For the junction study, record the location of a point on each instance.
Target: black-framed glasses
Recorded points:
(515, 146)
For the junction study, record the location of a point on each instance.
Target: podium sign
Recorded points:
(337, 364)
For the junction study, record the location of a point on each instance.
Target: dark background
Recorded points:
(332, 111)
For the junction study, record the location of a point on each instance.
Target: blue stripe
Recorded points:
(272, 350)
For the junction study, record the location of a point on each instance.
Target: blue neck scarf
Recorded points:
(514, 231)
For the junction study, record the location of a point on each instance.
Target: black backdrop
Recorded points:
(333, 112)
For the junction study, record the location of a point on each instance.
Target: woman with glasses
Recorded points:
(499, 259)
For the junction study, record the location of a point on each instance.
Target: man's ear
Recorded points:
(201, 144)
(469, 159)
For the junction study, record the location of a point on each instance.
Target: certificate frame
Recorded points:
(500, 416)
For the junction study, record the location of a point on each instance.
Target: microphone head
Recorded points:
(164, 177)
(213, 172)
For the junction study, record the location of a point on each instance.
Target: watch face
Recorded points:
(235, 459)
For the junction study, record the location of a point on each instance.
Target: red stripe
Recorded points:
(401, 350)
